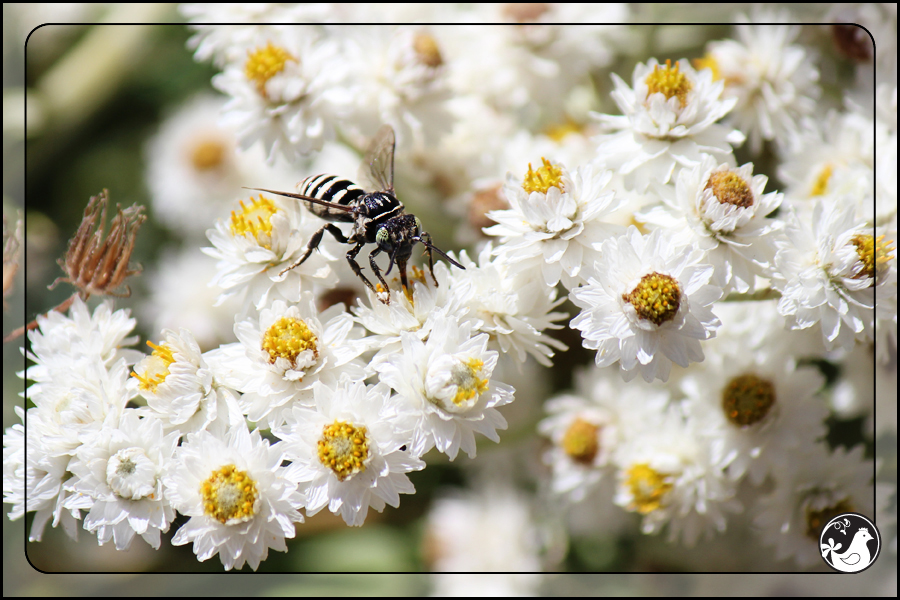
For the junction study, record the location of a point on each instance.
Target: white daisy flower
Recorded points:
(885, 263)
(287, 91)
(351, 452)
(758, 411)
(117, 476)
(828, 273)
(588, 428)
(668, 474)
(180, 388)
(445, 383)
(811, 488)
(277, 361)
(774, 80)
(514, 310)
(234, 490)
(669, 122)
(725, 212)
(555, 221)
(647, 305)
(259, 242)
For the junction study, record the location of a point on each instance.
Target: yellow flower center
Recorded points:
(558, 131)
(669, 82)
(817, 519)
(820, 185)
(468, 384)
(580, 441)
(648, 488)
(747, 399)
(156, 367)
(544, 178)
(874, 254)
(265, 63)
(208, 154)
(255, 221)
(708, 62)
(730, 188)
(344, 448)
(427, 50)
(287, 338)
(230, 496)
(655, 298)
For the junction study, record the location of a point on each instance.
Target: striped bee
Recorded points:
(378, 217)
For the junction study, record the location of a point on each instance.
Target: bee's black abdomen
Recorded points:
(329, 188)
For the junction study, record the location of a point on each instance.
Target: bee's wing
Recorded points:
(377, 170)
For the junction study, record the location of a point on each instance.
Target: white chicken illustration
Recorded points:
(855, 558)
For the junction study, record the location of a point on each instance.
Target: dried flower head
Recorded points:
(98, 264)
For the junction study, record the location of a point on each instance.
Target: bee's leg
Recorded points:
(378, 274)
(427, 239)
(315, 240)
(351, 258)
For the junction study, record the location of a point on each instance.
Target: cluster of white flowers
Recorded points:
(671, 252)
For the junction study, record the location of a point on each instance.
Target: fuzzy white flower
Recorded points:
(669, 122)
(117, 477)
(810, 489)
(668, 474)
(180, 388)
(234, 490)
(647, 305)
(827, 274)
(287, 91)
(350, 453)
(259, 242)
(774, 80)
(277, 361)
(725, 212)
(555, 221)
(445, 383)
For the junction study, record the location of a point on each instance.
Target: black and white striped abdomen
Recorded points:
(330, 188)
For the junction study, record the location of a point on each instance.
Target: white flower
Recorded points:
(445, 383)
(773, 79)
(725, 213)
(514, 310)
(647, 305)
(758, 411)
(117, 476)
(810, 489)
(181, 389)
(350, 452)
(234, 490)
(276, 362)
(668, 474)
(257, 244)
(669, 123)
(826, 274)
(554, 221)
(287, 91)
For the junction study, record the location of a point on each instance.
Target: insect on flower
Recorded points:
(378, 217)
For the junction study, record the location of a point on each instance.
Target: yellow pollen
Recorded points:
(255, 220)
(544, 178)
(820, 185)
(730, 188)
(468, 384)
(380, 288)
(344, 448)
(229, 496)
(427, 50)
(874, 254)
(708, 62)
(747, 399)
(265, 63)
(580, 441)
(655, 298)
(208, 154)
(817, 519)
(287, 338)
(648, 488)
(417, 273)
(157, 367)
(669, 82)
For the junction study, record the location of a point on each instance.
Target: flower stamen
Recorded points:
(544, 178)
(655, 298)
(669, 82)
(344, 448)
(230, 496)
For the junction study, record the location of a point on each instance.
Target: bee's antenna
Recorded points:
(439, 251)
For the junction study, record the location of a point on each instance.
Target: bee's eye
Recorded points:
(382, 237)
